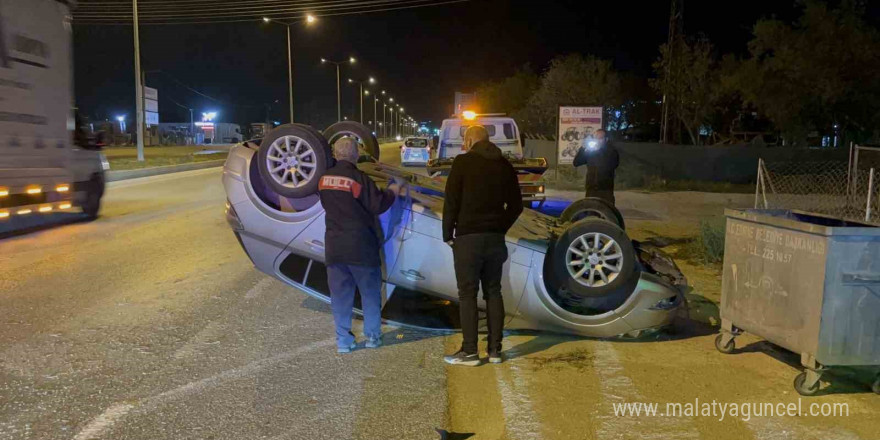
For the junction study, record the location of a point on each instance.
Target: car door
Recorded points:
(425, 262)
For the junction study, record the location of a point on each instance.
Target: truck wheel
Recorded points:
(592, 207)
(361, 133)
(94, 192)
(292, 158)
(594, 258)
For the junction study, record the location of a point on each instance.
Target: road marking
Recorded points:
(103, 422)
(99, 425)
(519, 416)
(259, 288)
(161, 177)
(617, 387)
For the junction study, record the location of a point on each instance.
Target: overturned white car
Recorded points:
(580, 274)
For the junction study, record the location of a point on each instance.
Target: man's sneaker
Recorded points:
(374, 342)
(462, 358)
(495, 357)
(343, 350)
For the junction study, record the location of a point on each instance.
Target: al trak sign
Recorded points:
(576, 124)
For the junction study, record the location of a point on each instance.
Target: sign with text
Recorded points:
(151, 106)
(576, 124)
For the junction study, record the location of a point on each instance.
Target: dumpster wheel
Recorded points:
(726, 349)
(800, 385)
(875, 387)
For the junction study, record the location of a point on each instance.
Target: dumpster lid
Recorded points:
(809, 222)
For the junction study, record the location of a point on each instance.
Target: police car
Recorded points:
(415, 151)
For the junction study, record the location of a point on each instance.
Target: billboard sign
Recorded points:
(151, 106)
(152, 118)
(576, 124)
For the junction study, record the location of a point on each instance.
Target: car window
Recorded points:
(489, 128)
(417, 143)
(508, 131)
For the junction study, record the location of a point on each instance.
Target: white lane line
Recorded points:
(104, 421)
(617, 387)
(259, 288)
(162, 177)
(99, 425)
(520, 421)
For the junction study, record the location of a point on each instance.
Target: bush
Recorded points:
(710, 242)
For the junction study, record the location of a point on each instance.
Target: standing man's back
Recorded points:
(482, 202)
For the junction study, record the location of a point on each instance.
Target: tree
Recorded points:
(816, 75)
(572, 79)
(509, 95)
(687, 76)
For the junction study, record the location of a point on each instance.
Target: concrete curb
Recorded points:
(113, 176)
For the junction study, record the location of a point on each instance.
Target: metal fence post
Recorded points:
(870, 194)
(758, 183)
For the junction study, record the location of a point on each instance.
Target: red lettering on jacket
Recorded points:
(339, 183)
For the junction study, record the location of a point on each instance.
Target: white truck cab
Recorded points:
(42, 170)
(503, 132)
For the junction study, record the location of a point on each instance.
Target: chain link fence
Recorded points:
(834, 189)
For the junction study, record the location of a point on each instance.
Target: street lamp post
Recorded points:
(375, 119)
(309, 20)
(361, 96)
(351, 60)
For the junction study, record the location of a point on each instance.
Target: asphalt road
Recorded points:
(151, 323)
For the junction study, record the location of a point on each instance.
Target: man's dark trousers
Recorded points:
(479, 261)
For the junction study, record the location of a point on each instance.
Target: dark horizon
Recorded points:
(420, 56)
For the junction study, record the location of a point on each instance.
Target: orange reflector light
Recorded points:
(36, 190)
(45, 208)
(469, 115)
(62, 188)
(64, 206)
(24, 212)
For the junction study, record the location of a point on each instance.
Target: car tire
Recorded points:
(360, 132)
(94, 191)
(594, 258)
(295, 145)
(592, 207)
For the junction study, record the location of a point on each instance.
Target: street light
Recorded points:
(351, 60)
(309, 20)
(362, 93)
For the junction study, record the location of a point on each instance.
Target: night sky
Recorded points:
(420, 56)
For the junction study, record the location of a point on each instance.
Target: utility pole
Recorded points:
(138, 85)
(375, 119)
(676, 27)
(384, 123)
(338, 97)
(290, 72)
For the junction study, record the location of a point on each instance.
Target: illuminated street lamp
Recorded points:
(351, 60)
(309, 20)
(362, 93)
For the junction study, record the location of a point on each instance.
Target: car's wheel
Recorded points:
(592, 207)
(361, 133)
(292, 159)
(594, 258)
(94, 191)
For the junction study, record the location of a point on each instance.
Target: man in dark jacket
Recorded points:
(601, 159)
(351, 202)
(483, 201)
